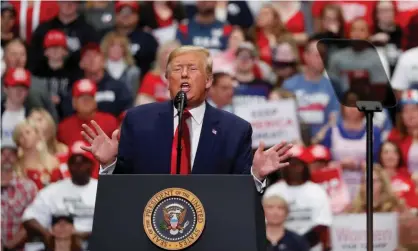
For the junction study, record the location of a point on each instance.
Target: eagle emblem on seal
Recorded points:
(174, 216)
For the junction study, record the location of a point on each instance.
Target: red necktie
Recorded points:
(185, 165)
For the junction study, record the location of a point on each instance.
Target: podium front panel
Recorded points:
(233, 212)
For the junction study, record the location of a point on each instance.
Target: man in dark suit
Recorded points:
(213, 141)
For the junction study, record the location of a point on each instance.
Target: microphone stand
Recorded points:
(181, 104)
(369, 108)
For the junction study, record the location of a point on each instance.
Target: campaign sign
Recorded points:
(272, 122)
(348, 232)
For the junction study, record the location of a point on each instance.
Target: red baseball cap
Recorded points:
(17, 76)
(119, 5)
(76, 150)
(320, 152)
(301, 153)
(55, 38)
(84, 87)
(90, 47)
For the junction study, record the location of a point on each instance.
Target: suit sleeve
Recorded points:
(244, 157)
(126, 145)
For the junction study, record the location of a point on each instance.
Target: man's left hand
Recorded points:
(271, 160)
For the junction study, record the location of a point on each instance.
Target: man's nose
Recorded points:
(184, 72)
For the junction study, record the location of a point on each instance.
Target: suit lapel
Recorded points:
(207, 140)
(165, 135)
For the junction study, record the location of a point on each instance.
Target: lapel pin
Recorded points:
(214, 131)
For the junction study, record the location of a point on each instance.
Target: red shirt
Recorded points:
(404, 143)
(29, 22)
(42, 178)
(163, 22)
(154, 85)
(404, 188)
(296, 24)
(69, 130)
(264, 48)
(351, 10)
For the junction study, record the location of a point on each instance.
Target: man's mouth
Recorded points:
(185, 87)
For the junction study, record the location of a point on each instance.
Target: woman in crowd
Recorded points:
(267, 32)
(276, 211)
(347, 141)
(63, 237)
(384, 199)
(331, 21)
(154, 86)
(120, 63)
(224, 60)
(406, 132)
(285, 61)
(34, 161)
(391, 160)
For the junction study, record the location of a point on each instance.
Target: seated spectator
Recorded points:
(222, 91)
(16, 194)
(267, 32)
(286, 61)
(62, 234)
(119, 61)
(316, 98)
(161, 14)
(15, 57)
(54, 74)
(75, 27)
(276, 211)
(328, 174)
(143, 45)
(384, 199)
(406, 132)
(390, 159)
(387, 33)
(347, 141)
(48, 129)
(204, 29)
(100, 15)
(34, 160)
(8, 22)
(112, 96)
(75, 196)
(154, 86)
(251, 88)
(331, 21)
(86, 107)
(309, 207)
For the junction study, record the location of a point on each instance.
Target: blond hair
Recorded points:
(46, 158)
(275, 199)
(388, 202)
(192, 49)
(113, 37)
(160, 51)
(52, 143)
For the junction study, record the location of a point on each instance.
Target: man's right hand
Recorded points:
(103, 148)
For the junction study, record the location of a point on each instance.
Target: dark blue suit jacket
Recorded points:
(147, 135)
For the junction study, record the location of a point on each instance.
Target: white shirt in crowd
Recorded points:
(64, 197)
(309, 206)
(9, 120)
(195, 127)
(406, 71)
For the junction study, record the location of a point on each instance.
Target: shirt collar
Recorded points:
(197, 113)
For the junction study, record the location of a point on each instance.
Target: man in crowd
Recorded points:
(143, 44)
(251, 88)
(75, 196)
(315, 96)
(78, 33)
(8, 21)
(85, 105)
(222, 91)
(16, 194)
(204, 29)
(310, 212)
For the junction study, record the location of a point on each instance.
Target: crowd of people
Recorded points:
(65, 63)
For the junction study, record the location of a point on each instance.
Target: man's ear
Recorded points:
(209, 81)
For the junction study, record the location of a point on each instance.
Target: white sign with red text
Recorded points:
(348, 232)
(272, 121)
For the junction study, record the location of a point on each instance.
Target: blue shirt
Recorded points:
(316, 100)
(212, 36)
(289, 242)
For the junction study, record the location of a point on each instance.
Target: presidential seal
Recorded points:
(174, 219)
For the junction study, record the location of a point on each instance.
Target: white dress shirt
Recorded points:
(194, 123)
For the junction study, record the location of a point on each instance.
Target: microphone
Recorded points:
(180, 102)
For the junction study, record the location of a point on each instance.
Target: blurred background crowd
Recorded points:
(65, 63)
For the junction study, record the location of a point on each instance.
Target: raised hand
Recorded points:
(103, 148)
(271, 160)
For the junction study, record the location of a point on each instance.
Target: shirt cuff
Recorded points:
(259, 185)
(108, 169)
